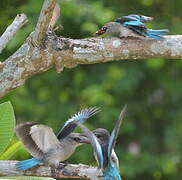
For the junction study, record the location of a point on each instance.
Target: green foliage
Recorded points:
(11, 151)
(7, 125)
(150, 141)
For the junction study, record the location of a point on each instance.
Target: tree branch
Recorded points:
(12, 29)
(63, 52)
(55, 16)
(7, 168)
(46, 17)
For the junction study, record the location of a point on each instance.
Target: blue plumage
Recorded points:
(141, 18)
(136, 24)
(27, 164)
(133, 23)
(154, 35)
(158, 32)
(103, 146)
(112, 172)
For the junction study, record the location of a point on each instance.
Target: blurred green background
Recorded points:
(149, 145)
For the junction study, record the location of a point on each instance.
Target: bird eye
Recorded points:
(104, 28)
(76, 139)
(98, 136)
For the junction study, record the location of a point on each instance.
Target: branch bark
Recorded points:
(12, 29)
(30, 60)
(7, 168)
(46, 17)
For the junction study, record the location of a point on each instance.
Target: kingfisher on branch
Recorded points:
(47, 148)
(131, 26)
(103, 145)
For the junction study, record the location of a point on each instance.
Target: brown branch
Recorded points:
(64, 52)
(55, 16)
(12, 29)
(7, 168)
(99, 50)
(46, 15)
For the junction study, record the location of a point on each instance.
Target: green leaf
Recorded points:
(11, 151)
(155, 63)
(25, 178)
(7, 124)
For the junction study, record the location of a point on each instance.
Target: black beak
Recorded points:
(84, 139)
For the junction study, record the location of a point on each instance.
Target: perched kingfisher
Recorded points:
(103, 136)
(103, 145)
(41, 142)
(132, 26)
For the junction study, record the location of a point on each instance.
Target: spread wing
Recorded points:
(80, 117)
(114, 134)
(38, 139)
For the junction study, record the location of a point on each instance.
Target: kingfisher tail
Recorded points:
(27, 164)
(157, 34)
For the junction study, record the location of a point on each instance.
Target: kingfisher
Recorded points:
(103, 145)
(47, 148)
(132, 26)
(103, 136)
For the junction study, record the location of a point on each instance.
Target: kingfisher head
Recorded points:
(76, 139)
(102, 135)
(111, 28)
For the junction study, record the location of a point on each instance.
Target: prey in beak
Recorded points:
(101, 31)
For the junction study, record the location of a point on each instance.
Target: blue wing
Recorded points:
(130, 21)
(114, 134)
(134, 23)
(98, 153)
(80, 117)
(141, 18)
(159, 32)
(156, 34)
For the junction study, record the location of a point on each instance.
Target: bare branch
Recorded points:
(45, 18)
(55, 16)
(64, 52)
(12, 29)
(99, 50)
(7, 168)
(24, 63)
